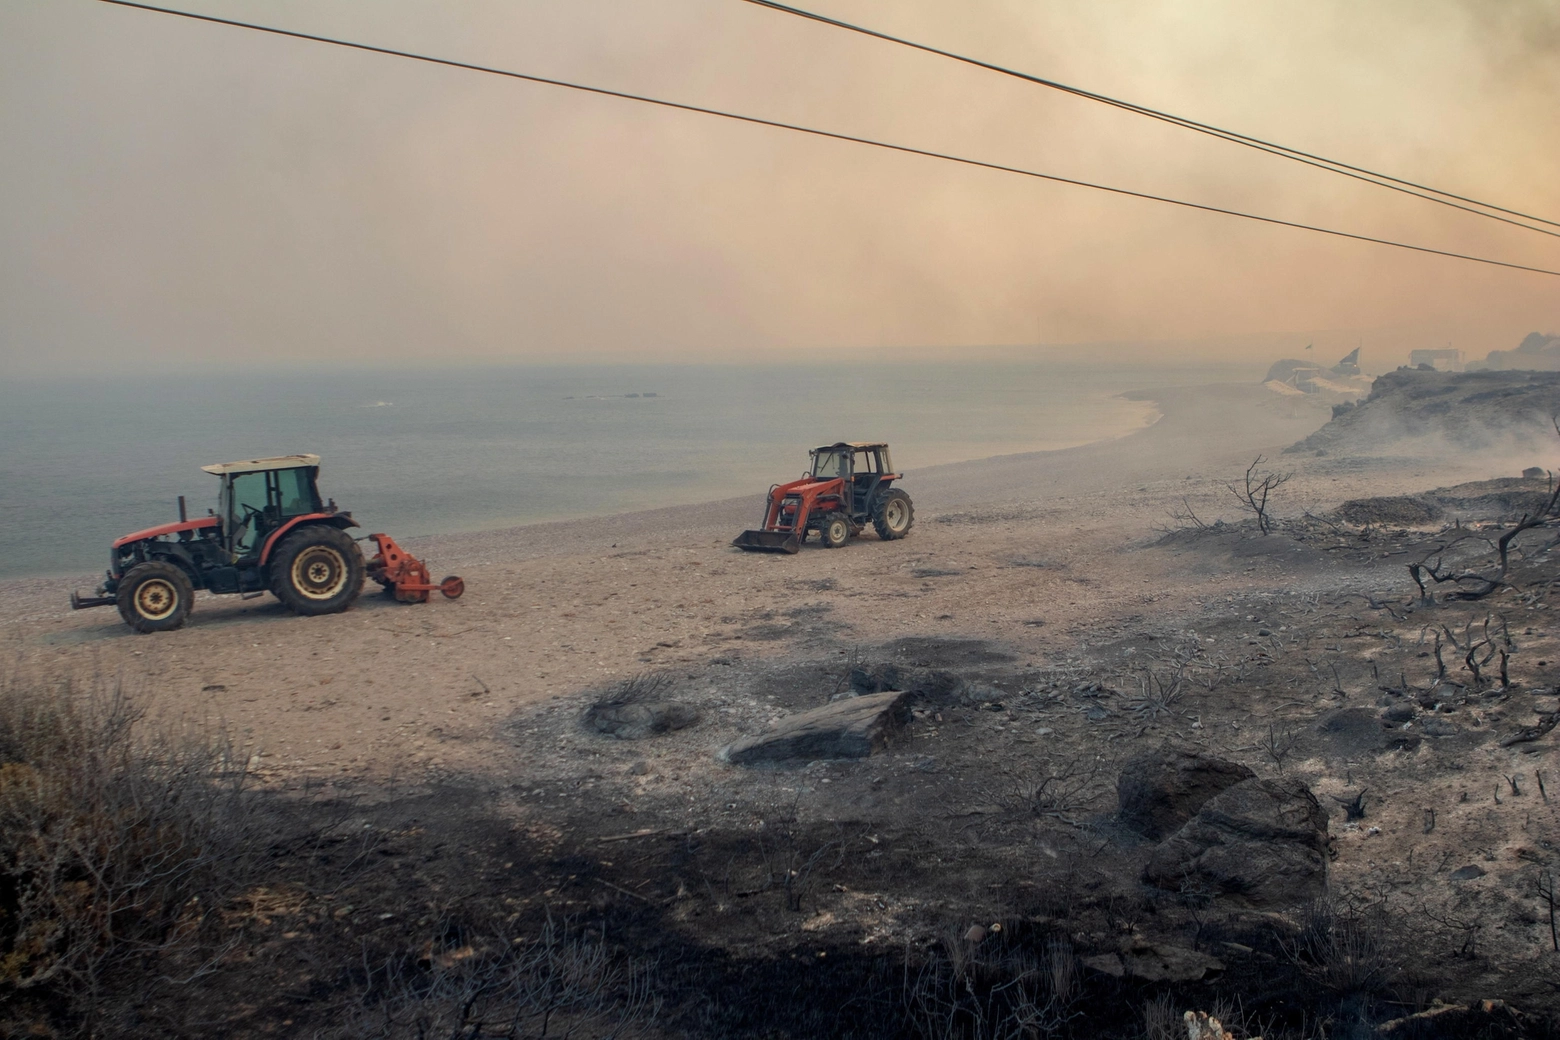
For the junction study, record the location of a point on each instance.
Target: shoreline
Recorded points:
(1151, 417)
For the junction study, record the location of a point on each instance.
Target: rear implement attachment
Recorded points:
(405, 576)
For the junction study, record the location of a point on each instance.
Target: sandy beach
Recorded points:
(559, 610)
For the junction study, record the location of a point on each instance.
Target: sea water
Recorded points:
(430, 451)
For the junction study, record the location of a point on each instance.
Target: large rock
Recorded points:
(1169, 964)
(1159, 791)
(850, 728)
(1261, 842)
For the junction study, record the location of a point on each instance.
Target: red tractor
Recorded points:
(270, 533)
(848, 487)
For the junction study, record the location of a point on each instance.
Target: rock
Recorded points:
(1397, 714)
(1158, 792)
(1169, 964)
(852, 728)
(1471, 872)
(1262, 842)
(1105, 963)
(976, 934)
(1533, 472)
(1202, 1026)
(1438, 728)
(636, 719)
(640, 768)
(978, 693)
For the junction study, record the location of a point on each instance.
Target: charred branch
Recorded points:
(1256, 490)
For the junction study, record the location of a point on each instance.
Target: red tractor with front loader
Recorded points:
(848, 486)
(269, 533)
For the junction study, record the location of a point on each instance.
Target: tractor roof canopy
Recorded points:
(851, 446)
(256, 465)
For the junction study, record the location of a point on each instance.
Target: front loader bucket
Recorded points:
(769, 541)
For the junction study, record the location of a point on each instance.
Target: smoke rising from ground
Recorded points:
(174, 192)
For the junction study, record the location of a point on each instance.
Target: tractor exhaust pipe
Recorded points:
(183, 517)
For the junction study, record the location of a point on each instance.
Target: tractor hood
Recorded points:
(155, 532)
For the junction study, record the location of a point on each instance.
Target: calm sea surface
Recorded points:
(433, 451)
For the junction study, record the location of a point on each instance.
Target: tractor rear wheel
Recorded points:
(893, 515)
(155, 597)
(835, 530)
(317, 570)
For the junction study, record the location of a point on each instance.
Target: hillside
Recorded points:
(1417, 411)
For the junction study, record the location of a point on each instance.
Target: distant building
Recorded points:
(1350, 365)
(1292, 373)
(1440, 360)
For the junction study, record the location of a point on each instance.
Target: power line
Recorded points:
(850, 138)
(1407, 187)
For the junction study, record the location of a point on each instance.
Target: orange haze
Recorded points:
(173, 192)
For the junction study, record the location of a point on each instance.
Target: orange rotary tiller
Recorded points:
(405, 576)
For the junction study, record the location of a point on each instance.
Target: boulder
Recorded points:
(850, 728)
(1261, 842)
(1160, 791)
(1169, 964)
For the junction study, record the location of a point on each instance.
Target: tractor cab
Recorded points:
(261, 496)
(863, 467)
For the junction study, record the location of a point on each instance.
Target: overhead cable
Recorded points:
(831, 135)
(1407, 187)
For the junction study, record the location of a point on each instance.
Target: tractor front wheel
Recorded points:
(317, 570)
(893, 515)
(835, 530)
(155, 597)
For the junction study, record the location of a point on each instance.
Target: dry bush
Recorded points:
(637, 707)
(1255, 491)
(1161, 1020)
(1066, 789)
(1345, 951)
(992, 991)
(119, 845)
(559, 985)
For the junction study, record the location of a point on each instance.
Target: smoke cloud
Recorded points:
(173, 193)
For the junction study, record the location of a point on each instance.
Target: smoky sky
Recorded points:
(175, 193)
